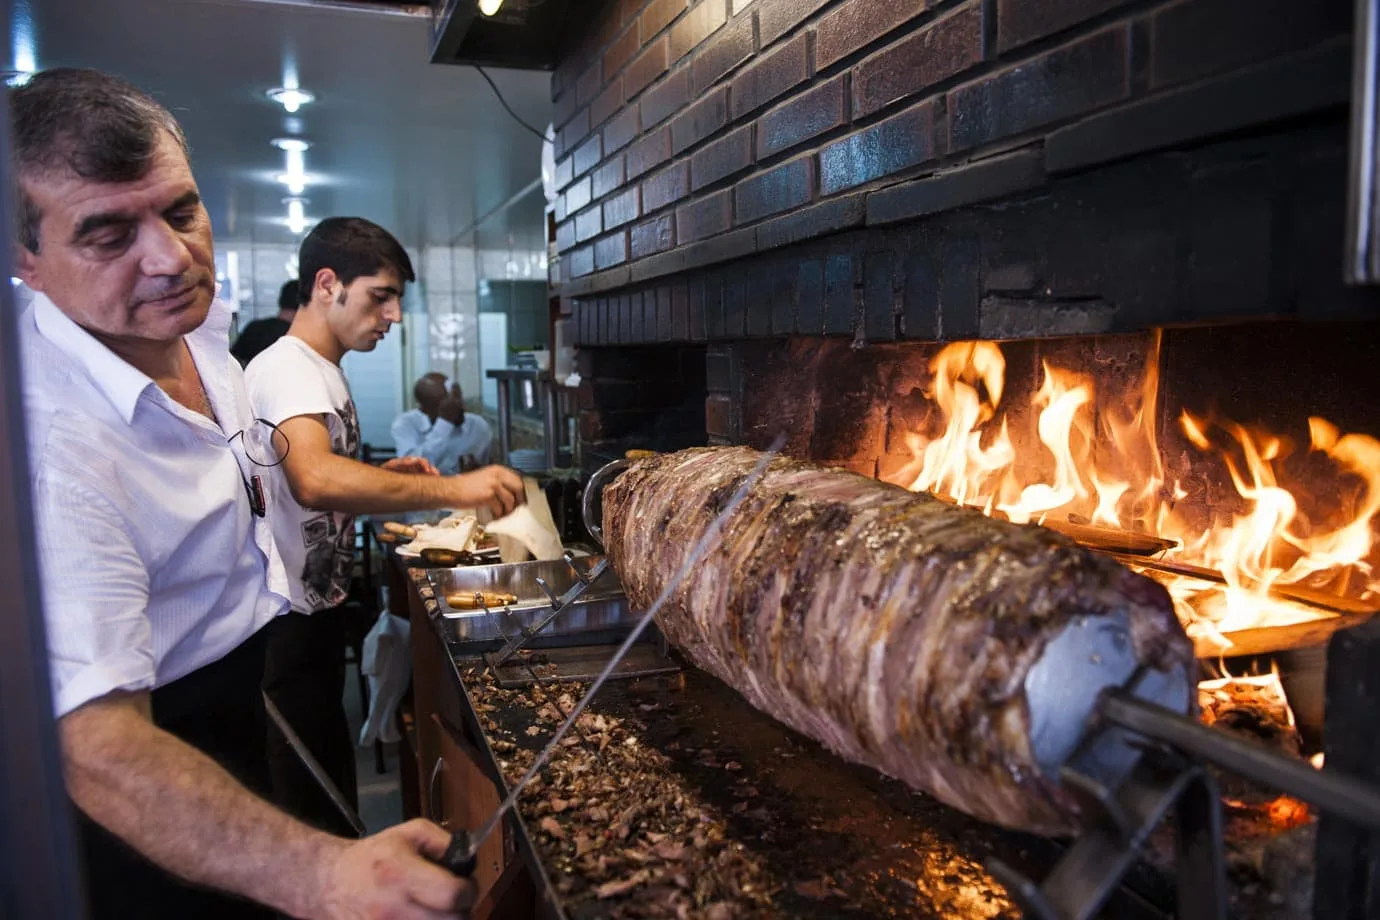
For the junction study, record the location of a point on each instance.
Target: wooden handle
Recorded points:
(474, 600)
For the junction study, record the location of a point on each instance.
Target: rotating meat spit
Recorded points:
(1122, 742)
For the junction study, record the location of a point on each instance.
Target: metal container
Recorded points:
(602, 607)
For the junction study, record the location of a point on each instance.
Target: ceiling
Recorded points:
(423, 149)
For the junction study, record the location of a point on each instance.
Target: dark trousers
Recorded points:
(304, 675)
(219, 710)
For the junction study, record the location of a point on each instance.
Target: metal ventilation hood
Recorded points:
(524, 34)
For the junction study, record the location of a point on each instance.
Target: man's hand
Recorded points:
(419, 465)
(452, 408)
(494, 487)
(393, 874)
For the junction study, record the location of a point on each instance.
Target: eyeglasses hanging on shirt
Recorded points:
(262, 444)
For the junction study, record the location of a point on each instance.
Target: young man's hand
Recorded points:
(494, 487)
(452, 408)
(395, 874)
(419, 465)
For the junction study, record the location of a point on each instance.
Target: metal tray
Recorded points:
(601, 608)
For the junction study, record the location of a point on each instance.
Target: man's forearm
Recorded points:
(184, 812)
(332, 483)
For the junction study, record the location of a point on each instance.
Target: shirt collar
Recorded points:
(120, 382)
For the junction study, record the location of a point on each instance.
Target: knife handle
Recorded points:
(458, 857)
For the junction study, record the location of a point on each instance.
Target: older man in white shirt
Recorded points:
(440, 430)
(158, 568)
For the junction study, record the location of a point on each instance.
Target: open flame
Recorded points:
(1101, 465)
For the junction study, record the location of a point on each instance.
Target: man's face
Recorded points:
(364, 310)
(128, 261)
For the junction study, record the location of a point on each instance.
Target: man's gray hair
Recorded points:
(85, 122)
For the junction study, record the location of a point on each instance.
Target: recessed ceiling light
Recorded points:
(296, 183)
(489, 7)
(297, 214)
(291, 143)
(291, 99)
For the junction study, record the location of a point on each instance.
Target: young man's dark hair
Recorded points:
(352, 247)
(96, 126)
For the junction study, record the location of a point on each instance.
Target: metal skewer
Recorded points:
(464, 845)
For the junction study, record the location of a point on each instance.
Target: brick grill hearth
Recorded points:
(891, 170)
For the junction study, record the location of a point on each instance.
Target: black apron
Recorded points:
(219, 710)
(304, 675)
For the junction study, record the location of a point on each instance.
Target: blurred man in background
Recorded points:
(262, 333)
(440, 430)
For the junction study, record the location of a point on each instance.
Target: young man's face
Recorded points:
(364, 310)
(128, 261)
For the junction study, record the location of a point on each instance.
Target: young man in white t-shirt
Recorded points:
(353, 273)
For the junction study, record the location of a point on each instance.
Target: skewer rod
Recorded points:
(1342, 796)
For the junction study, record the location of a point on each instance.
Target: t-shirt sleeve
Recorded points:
(95, 595)
(283, 384)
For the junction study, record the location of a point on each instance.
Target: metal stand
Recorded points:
(1093, 868)
(583, 579)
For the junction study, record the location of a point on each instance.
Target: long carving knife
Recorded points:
(460, 857)
(313, 766)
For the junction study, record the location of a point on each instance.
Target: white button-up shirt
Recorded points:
(153, 563)
(444, 444)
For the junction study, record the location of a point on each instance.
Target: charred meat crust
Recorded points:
(894, 628)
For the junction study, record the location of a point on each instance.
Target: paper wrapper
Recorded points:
(530, 531)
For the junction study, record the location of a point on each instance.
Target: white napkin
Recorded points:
(530, 531)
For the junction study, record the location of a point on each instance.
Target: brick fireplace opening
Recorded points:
(775, 216)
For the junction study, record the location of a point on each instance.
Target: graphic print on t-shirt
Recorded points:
(330, 550)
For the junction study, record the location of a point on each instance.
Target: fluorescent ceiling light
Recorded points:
(298, 144)
(297, 214)
(291, 99)
(23, 46)
(489, 7)
(296, 183)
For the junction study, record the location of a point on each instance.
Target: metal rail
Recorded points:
(1340, 795)
(583, 580)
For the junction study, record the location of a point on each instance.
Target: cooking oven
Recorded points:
(1102, 266)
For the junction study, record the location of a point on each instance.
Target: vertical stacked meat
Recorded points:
(893, 628)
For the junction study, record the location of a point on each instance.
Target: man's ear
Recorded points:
(322, 284)
(26, 267)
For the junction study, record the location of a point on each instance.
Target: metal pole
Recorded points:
(404, 10)
(39, 874)
(505, 419)
(550, 420)
(1340, 795)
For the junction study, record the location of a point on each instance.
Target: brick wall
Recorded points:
(650, 398)
(692, 133)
